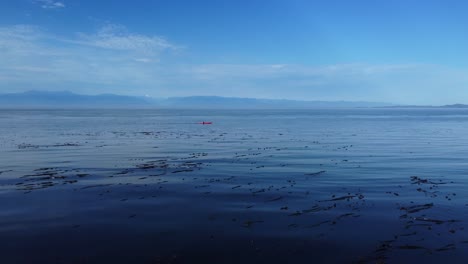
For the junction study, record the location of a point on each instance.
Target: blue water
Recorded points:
(277, 186)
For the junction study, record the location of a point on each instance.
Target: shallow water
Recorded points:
(277, 186)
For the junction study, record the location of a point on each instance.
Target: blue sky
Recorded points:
(411, 52)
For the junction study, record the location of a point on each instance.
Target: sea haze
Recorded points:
(271, 186)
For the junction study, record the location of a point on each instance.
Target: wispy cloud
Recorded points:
(144, 60)
(19, 32)
(32, 56)
(109, 37)
(20, 40)
(50, 4)
(117, 37)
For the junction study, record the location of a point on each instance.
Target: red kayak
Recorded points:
(205, 123)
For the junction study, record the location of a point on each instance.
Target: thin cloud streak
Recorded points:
(50, 4)
(118, 38)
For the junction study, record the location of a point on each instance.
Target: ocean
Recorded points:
(254, 186)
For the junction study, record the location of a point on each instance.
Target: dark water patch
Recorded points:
(315, 173)
(416, 208)
(56, 145)
(95, 186)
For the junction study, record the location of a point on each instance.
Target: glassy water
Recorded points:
(277, 186)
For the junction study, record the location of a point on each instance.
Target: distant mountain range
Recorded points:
(428, 106)
(66, 99)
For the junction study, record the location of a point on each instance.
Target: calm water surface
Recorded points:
(273, 186)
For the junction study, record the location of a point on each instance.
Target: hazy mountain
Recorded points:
(65, 99)
(427, 106)
(456, 106)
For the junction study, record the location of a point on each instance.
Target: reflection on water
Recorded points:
(154, 186)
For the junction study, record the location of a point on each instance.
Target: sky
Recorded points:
(399, 51)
